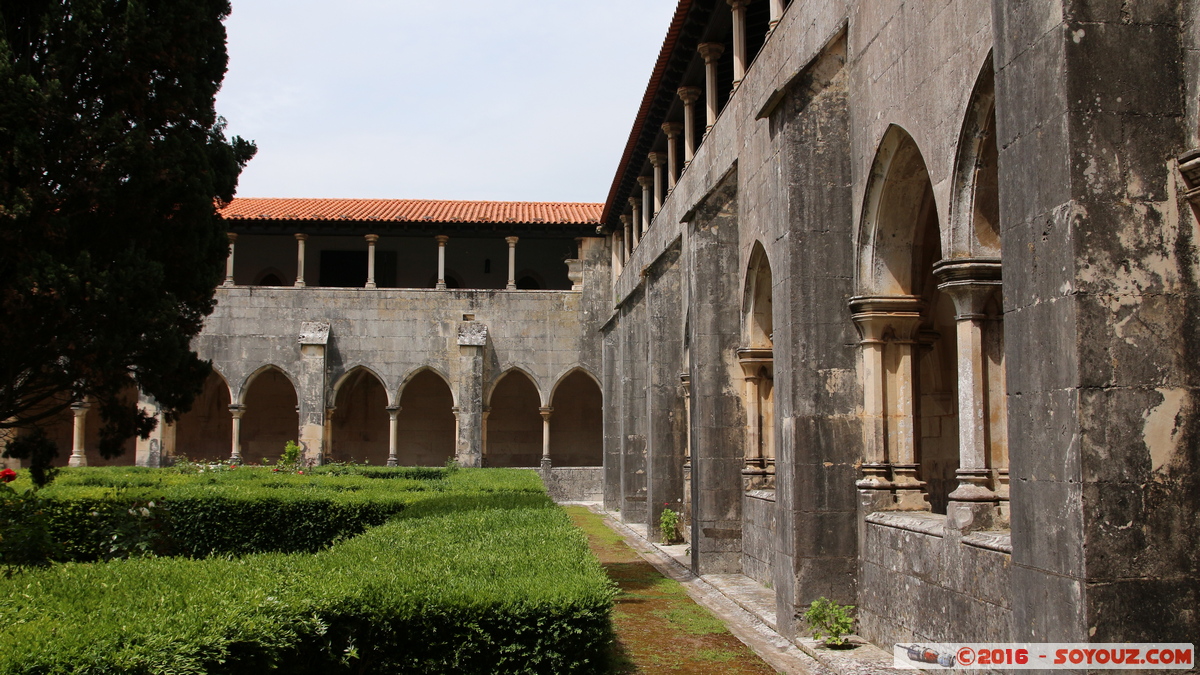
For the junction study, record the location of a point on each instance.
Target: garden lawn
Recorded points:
(659, 629)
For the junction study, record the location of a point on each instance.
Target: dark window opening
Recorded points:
(270, 280)
(348, 269)
(528, 284)
(487, 265)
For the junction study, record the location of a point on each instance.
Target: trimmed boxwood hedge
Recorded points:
(483, 575)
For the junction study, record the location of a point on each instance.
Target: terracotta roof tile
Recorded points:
(413, 210)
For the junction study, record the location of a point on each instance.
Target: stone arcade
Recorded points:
(896, 301)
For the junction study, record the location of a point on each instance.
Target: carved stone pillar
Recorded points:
(229, 260)
(626, 239)
(371, 240)
(739, 40)
(971, 284)
(78, 435)
(711, 52)
(636, 205)
(672, 130)
(648, 211)
(393, 412)
(441, 277)
(235, 453)
(310, 389)
(657, 160)
(887, 327)
(300, 239)
(545, 411)
(512, 263)
(689, 96)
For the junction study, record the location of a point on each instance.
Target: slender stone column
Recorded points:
(371, 240)
(626, 239)
(776, 13)
(78, 435)
(615, 247)
(483, 432)
(970, 284)
(300, 239)
(636, 205)
(753, 420)
(672, 130)
(393, 412)
(545, 411)
(229, 260)
(689, 96)
(657, 160)
(887, 327)
(441, 279)
(648, 209)
(512, 263)
(710, 52)
(327, 437)
(739, 40)
(236, 411)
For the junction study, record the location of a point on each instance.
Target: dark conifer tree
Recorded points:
(112, 165)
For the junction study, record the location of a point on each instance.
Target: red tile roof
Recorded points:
(413, 210)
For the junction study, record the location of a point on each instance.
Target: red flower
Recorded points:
(7, 476)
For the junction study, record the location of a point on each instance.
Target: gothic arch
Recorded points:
(509, 371)
(571, 370)
(204, 432)
(359, 422)
(415, 372)
(577, 420)
(975, 205)
(269, 399)
(426, 424)
(240, 399)
(514, 421)
(757, 300)
(355, 370)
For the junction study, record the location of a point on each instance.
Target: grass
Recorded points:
(659, 628)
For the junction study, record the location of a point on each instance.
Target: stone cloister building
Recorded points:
(896, 301)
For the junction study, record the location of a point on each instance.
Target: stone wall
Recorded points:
(575, 484)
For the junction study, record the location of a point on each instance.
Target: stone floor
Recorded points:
(748, 609)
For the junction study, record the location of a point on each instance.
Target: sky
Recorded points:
(528, 100)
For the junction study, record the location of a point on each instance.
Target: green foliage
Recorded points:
(26, 539)
(830, 621)
(292, 457)
(38, 452)
(483, 575)
(112, 163)
(668, 524)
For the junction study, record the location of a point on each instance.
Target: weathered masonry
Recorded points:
(396, 332)
(905, 312)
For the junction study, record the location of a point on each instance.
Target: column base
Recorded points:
(77, 460)
(510, 287)
(370, 284)
(910, 499)
(440, 287)
(545, 465)
(392, 461)
(973, 516)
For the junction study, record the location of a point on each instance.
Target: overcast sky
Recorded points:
(530, 100)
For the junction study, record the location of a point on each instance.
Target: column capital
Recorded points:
(635, 202)
(672, 129)
(300, 236)
(545, 412)
(646, 182)
(710, 51)
(969, 282)
(237, 411)
(442, 239)
(883, 317)
(79, 407)
(625, 219)
(512, 241)
(657, 159)
(371, 238)
(738, 4)
(689, 95)
(232, 236)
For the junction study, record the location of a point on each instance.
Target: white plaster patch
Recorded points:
(1160, 432)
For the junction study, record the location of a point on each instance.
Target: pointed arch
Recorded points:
(426, 426)
(255, 374)
(359, 428)
(203, 432)
(514, 422)
(975, 200)
(509, 371)
(571, 370)
(899, 206)
(271, 418)
(577, 420)
(416, 372)
(757, 300)
(356, 371)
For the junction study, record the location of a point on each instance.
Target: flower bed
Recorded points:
(480, 573)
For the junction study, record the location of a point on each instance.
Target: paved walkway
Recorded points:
(748, 609)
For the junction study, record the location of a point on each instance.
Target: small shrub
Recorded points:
(830, 621)
(668, 524)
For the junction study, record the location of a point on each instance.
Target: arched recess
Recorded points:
(61, 430)
(514, 422)
(269, 418)
(577, 423)
(908, 330)
(756, 357)
(425, 425)
(359, 424)
(205, 432)
(972, 277)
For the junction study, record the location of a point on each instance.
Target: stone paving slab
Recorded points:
(748, 609)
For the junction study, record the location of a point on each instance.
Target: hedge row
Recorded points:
(244, 511)
(478, 591)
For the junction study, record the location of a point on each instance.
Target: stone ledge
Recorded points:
(998, 541)
(765, 495)
(913, 521)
